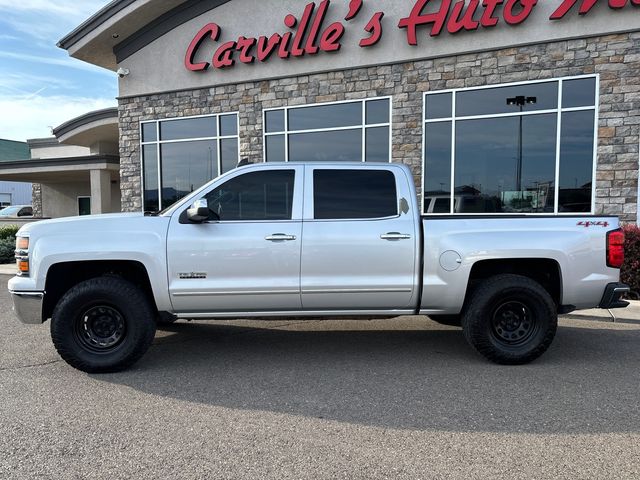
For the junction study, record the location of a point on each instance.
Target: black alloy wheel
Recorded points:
(100, 329)
(510, 319)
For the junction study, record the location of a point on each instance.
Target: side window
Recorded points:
(354, 194)
(255, 196)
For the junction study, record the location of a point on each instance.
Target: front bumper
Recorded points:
(28, 306)
(612, 295)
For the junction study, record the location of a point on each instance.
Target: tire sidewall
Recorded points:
(478, 319)
(116, 293)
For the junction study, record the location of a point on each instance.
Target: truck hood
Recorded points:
(121, 222)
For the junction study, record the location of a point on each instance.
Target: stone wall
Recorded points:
(36, 199)
(616, 58)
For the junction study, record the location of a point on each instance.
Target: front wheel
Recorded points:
(103, 325)
(510, 319)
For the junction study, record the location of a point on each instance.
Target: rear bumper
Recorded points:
(612, 295)
(28, 306)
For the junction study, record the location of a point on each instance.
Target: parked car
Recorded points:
(17, 211)
(315, 239)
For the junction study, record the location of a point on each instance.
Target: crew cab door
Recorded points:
(248, 260)
(360, 238)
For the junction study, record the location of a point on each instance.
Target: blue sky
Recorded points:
(40, 85)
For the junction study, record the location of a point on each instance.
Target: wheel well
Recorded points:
(61, 277)
(542, 270)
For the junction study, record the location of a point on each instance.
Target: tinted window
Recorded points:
(486, 101)
(377, 111)
(325, 116)
(186, 166)
(332, 146)
(576, 161)
(377, 144)
(437, 161)
(150, 177)
(274, 121)
(149, 132)
(354, 194)
(579, 93)
(438, 106)
(512, 170)
(188, 128)
(255, 196)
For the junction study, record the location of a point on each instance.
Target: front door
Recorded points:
(249, 259)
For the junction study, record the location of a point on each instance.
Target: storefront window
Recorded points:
(357, 131)
(526, 148)
(180, 155)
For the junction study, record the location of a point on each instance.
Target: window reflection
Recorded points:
(509, 157)
(255, 196)
(185, 167)
(325, 116)
(331, 146)
(487, 173)
(576, 161)
(489, 101)
(150, 177)
(188, 128)
(185, 164)
(330, 132)
(437, 170)
(377, 144)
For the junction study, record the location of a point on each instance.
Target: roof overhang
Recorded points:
(90, 128)
(58, 170)
(124, 26)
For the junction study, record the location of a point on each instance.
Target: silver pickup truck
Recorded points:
(302, 240)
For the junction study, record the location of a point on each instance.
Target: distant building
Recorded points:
(76, 172)
(14, 193)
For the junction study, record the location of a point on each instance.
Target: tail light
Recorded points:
(615, 248)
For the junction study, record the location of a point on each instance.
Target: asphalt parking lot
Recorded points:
(404, 398)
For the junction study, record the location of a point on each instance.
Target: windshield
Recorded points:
(9, 211)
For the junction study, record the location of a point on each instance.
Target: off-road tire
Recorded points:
(103, 305)
(510, 319)
(449, 320)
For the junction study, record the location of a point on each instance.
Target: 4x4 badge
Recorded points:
(593, 224)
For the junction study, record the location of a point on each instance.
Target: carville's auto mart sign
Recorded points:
(308, 34)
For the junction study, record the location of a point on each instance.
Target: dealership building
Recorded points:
(497, 106)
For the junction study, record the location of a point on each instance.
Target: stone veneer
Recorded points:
(616, 58)
(36, 199)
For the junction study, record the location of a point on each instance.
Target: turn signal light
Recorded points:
(615, 249)
(23, 266)
(22, 243)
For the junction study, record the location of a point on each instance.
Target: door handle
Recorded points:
(395, 236)
(280, 237)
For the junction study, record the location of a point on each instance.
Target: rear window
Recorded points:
(354, 194)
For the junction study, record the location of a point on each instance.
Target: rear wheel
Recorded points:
(510, 319)
(103, 325)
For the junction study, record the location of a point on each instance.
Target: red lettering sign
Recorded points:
(308, 35)
(587, 5)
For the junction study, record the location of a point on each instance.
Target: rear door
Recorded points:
(359, 249)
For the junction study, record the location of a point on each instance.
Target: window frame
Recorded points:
(158, 143)
(363, 126)
(559, 111)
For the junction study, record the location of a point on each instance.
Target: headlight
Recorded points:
(22, 255)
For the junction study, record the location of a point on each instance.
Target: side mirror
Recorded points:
(199, 212)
